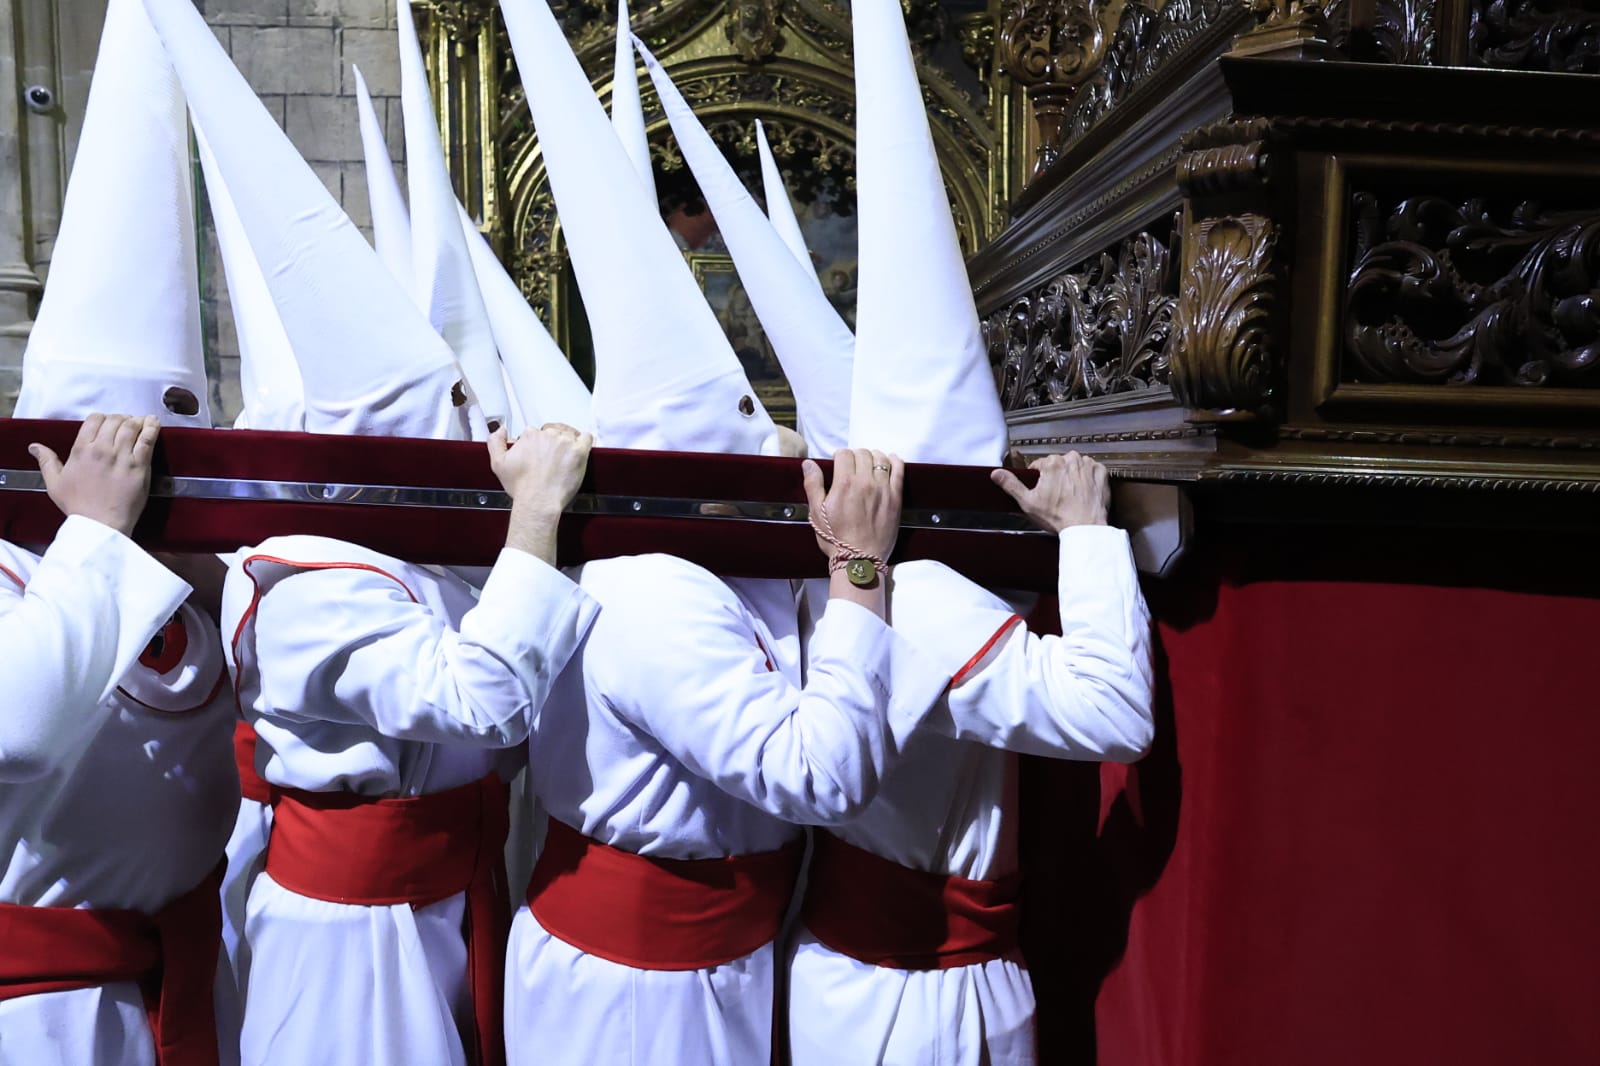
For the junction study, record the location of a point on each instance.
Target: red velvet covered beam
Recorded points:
(466, 535)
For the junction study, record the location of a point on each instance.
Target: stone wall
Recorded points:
(295, 53)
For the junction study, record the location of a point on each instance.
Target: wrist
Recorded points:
(862, 569)
(536, 499)
(122, 525)
(532, 529)
(873, 598)
(1065, 522)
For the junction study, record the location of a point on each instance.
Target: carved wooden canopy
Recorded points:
(1280, 247)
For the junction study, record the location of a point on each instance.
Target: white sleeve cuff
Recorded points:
(82, 542)
(1099, 580)
(532, 603)
(1095, 556)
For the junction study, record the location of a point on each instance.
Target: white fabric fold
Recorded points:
(269, 378)
(119, 324)
(813, 344)
(391, 219)
(923, 387)
(369, 362)
(627, 113)
(779, 207)
(665, 375)
(442, 276)
(542, 384)
(91, 605)
(116, 782)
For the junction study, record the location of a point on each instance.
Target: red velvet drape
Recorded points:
(1369, 831)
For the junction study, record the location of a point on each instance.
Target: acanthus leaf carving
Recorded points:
(1101, 328)
(1404, 31)
(1222, 358)
(1145, 39)
(927, 23)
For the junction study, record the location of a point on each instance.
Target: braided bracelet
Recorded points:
(860, 567)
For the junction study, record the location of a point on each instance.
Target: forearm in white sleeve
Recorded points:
(1086, 694)
(695, 678)
(351, 646)
(91, 607)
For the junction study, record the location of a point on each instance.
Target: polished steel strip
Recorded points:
(202, 488)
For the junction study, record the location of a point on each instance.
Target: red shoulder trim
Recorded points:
(255, 599)
(12, 574)
(764, 653)
(988, 646)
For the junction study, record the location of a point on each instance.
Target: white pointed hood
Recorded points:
(812, 342)
(442, 277)
(627, 113)
(543, 385)
(517, 420)
(923, 387)
(369, 362)
(779, 209)
(391, 221)
(665, 376)
(119, 325)
(269, 379)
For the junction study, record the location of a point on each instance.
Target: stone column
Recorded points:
(18, 283)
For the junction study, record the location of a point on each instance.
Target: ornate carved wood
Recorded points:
(1382, 276)
(1102, 328)
(1076, 60)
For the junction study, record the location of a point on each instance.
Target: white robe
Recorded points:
(949, 806)
(116, 782)
(682, 731)
(247, 857)
(385, 679)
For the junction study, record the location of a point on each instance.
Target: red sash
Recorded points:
(251, 784)
(172, 955)
(885, 914)
(345, 848)
(660, 914)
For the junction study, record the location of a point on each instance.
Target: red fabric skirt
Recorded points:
(660, 914)
(344, 848)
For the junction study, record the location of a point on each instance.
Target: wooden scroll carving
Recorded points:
(1465, 293)
(1050, 47)
(1103, 327)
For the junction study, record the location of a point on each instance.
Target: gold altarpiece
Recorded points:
(785, 62)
